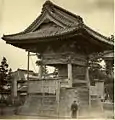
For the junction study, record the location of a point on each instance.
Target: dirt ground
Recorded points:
(8, 113)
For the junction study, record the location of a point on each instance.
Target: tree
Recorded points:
(5, 79)
(55, 73)
(97, 72)
(109, 80)
(109, 88)
(3, 73)
(44, 68)
(44, 71)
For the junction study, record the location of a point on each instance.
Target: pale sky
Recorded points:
(16, 15)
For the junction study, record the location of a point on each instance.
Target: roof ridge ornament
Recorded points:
(46, 5)
(111, 38)
(80, 19)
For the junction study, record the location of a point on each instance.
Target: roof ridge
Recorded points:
(47, 6)
(48, 3)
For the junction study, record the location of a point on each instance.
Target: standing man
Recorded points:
(74, 108)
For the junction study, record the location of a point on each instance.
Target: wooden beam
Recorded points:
(62, 58)
(58, 97)
(70, 77)
(52, 61)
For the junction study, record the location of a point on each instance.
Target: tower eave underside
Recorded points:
(33, 44)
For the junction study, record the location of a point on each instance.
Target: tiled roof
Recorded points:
(43, 33)
(57, 14)
(20, 74)
(98, 35)
(54, 22)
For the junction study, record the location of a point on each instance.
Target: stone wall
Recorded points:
(47, 104)
(39, 105)
(43, 86)
(68, 95)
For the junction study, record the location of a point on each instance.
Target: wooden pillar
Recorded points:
(14, 89)
(88, 84)
(40, 71)
(28, 65)
(58, 96)
(70, 78)
(40, 64)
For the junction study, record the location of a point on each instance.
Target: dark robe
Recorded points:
(74, 108)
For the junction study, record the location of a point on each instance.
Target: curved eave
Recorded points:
(15, 39)
(23, 39)
(98, 36)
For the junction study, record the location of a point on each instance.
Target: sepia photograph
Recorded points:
(56, 59)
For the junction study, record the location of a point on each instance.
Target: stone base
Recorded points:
(68, 95)
(47, 105)
(39, 105)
